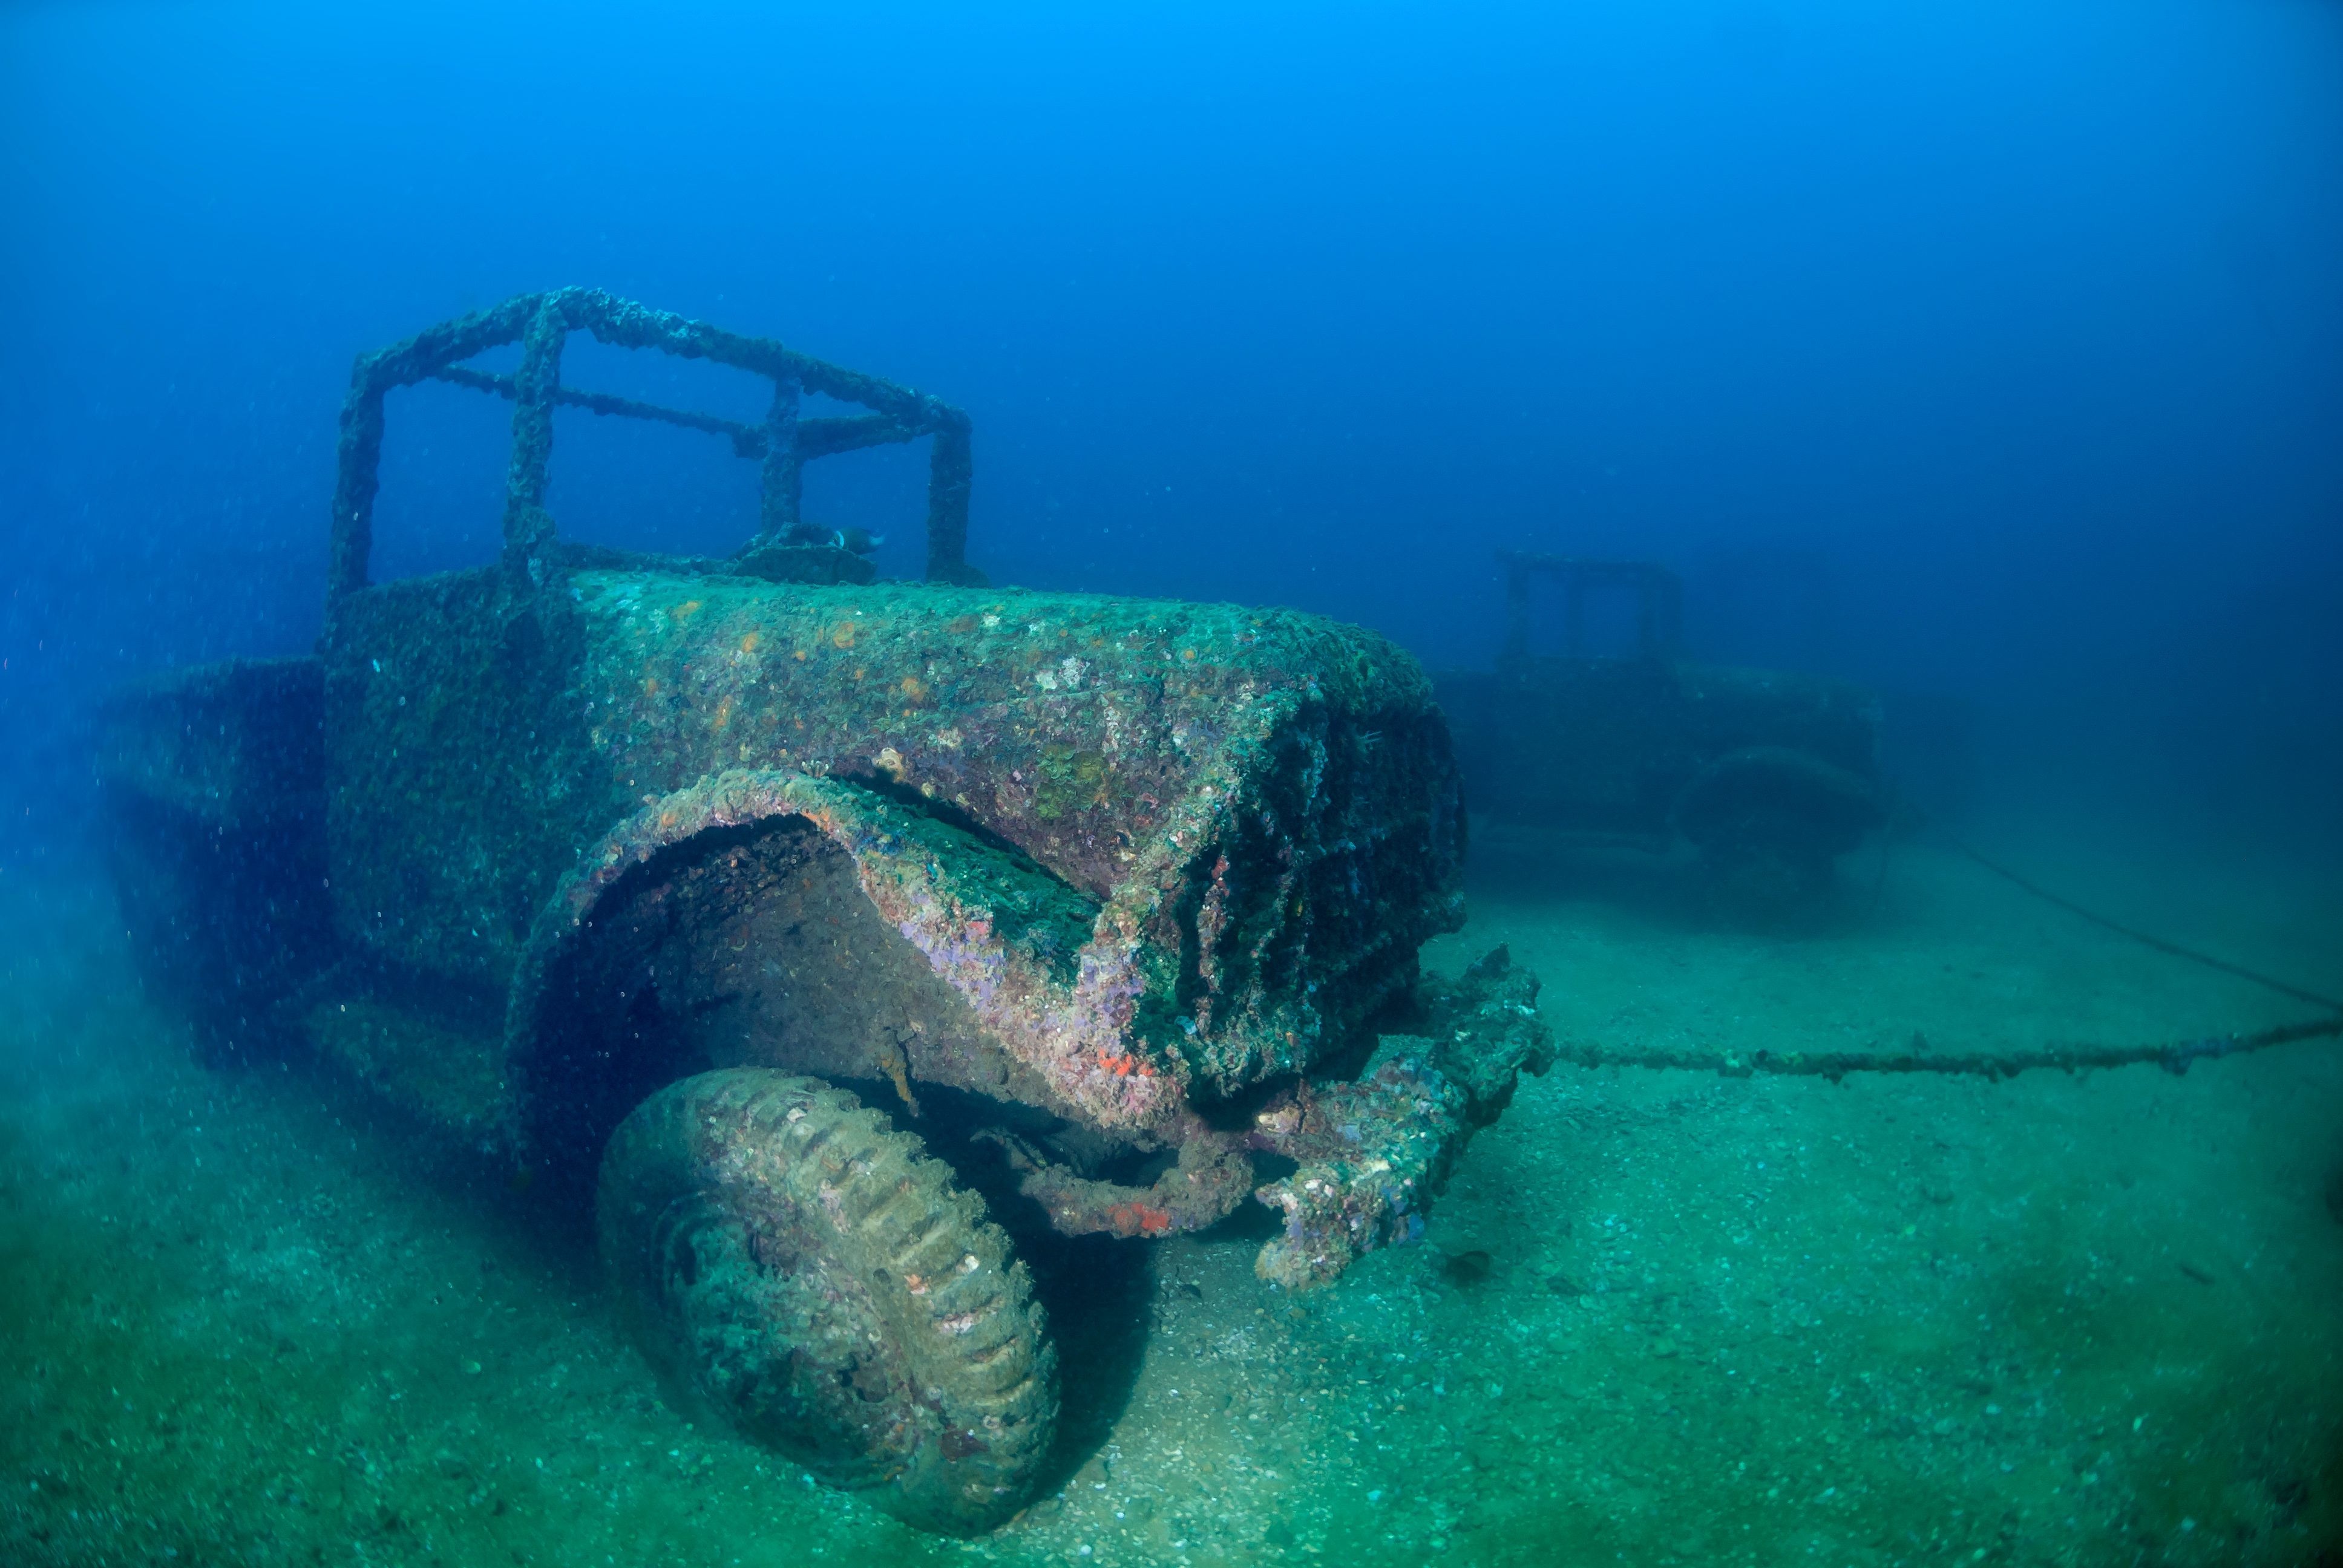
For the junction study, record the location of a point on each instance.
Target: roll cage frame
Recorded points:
(782, 443)
(1659, 603)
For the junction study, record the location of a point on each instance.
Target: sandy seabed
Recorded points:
(246, 1317)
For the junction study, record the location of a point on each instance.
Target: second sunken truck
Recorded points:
(690, 867)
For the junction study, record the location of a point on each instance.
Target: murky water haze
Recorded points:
(1991, 359)
(1990, 353)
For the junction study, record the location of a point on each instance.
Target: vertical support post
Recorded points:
(356, 479)
(781, 500)
(528, 527)
(1516, 650)
(949, 468)
(1670, 615)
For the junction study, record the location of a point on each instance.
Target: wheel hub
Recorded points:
(783, 1342)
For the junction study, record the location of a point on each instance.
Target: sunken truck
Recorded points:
(1769, 775)
(831, 931)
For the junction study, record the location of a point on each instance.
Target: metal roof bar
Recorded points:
(1659, 600)
(541, 323)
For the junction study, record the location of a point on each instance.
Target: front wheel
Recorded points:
(786, 1262)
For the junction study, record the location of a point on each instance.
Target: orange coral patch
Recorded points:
(1139, 1220)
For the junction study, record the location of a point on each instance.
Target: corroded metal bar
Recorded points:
(823, 437)
(1373, 1153)
(827, 437)
(357, 475)
(949, 466)
(1213, 1176)
(782, 483)
(357, 478)
(529, 527)
(2173, 1056)
(403, 364)
(628, 325)
(901, 415)
(747, 438)
(1516, 646)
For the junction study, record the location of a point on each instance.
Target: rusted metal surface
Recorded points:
(1089, 867)
(1259, 806)
(1211, 1177)
(1375, 1151)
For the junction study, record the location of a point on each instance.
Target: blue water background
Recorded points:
(1988, 354)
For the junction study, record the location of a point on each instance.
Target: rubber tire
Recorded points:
(791, 1265)
(1776, 796)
